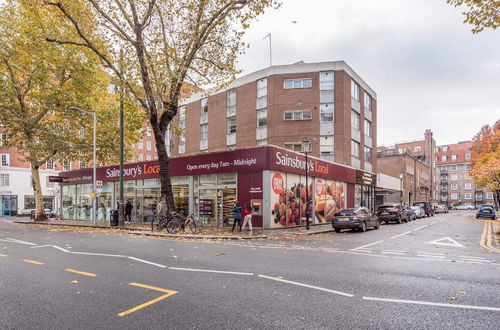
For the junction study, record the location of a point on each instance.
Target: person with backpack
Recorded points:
(237, 215)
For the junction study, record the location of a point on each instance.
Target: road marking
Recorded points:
(99, 254)
(2, 255)
(211, 271)
(33, 262)
(408, 232)
(430, 256)
(167, 294)
(80, 272)
(16, 241)
(471, 257)
(307, 286)
(451, 242)
(422, 258)
(361, 253)
(432, 223)
(40, 246)
(363, 246)
(395, 253)
(476, 260)
(147, 262)
(428, 303)
(60, 248)
(420, 227)
(49, 245)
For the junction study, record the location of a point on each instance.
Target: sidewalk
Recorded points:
(138, 228)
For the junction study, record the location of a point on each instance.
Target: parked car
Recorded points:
(441, 209)
(464, 207)
(355, 218)
(389, 213)
(486, 211)
(427, 207)
(419, 211)
(410, 213)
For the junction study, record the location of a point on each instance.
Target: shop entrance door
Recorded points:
(225, 201)
(6, 208)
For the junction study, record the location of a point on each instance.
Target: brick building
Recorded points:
(456, 184)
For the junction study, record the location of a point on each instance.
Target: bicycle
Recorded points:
(164, 220)
(176, 225)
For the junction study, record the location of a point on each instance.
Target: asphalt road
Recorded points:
(430, 273)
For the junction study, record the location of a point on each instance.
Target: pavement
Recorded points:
(441, 272)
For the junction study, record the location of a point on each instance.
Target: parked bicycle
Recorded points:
(176, 225)
(164, 220)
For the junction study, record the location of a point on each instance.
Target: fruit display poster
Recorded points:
(329, 199)
(288, 199)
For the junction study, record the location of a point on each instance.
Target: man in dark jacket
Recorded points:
(237, 215)
(128, 210)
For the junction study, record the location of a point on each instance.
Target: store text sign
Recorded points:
(313, 166)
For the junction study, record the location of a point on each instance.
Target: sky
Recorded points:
(428, 70)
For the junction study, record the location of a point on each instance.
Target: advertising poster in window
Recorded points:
(288, 199)
(329, 199)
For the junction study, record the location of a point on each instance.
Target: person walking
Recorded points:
(247, 216)
(237, 215)
(128, 210)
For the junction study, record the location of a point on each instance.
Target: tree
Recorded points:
(39, 81)
(167, 44)
(486, 159)
(480, 13)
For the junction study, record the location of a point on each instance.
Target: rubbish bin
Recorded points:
(113, 220)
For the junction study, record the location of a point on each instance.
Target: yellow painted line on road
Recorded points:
(34, 262)
(167, 294)
(2, 255)
(80, 272)
(486, 238)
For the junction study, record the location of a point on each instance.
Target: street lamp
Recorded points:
(94, 161)
(401, 187)
(306, 147)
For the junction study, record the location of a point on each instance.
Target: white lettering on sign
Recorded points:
(294, 162)
(221, 164)
(129, 172)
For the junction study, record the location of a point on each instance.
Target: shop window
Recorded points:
(208, 180)
(4, 180)
(226, 178)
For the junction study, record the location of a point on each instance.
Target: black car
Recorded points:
(355, 218)
(429, 210)
(389, 213)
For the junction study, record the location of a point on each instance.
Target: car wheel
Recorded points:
(377, 225)
(363, 227)
(337, 230)
(477, 217)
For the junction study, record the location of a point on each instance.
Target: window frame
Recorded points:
(297, 81)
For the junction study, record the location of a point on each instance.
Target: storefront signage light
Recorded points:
(295, 162)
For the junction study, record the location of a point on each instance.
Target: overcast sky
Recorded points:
(427, 68)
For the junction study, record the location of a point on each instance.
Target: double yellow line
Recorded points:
(486, 237)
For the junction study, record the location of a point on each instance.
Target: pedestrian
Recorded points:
(128, 210)
(247, 216)
(160, 209)
(237, 215)
(102, 211)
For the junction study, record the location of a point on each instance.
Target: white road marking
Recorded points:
(408, 232)
(147, 262)
(13, 240)
(471, 257)
(430, 256)
(60, 248)
(211, 271)
(307, 286)
(433, 223)
(40, 246)
(476, 260)
(420, 227)
(428, 303)
(99, 254)
(363, 246)
(430, 253)
(422, 258)
(451, 242)
(396, 253)
(361, 253)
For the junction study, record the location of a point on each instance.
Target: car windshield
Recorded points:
(385, 207)
(489, 208)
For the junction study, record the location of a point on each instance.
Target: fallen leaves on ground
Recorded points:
(462, 292)
(173, 257)
(453, 298)
(74, 282)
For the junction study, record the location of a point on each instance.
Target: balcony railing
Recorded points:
(444, 189)
(443, 170)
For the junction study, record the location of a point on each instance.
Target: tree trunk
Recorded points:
(37, 190)
(166, 186)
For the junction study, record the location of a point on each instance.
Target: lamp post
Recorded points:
(94, 160)
(305, 147)
(401, 187)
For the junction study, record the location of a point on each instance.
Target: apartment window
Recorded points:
(4, 139)
(444, 158)
(49, 165)
(140, 157)
(148, 145)
(368, 102)
(410, 169)
(262, 118)
(453, 186)
(204, 105)
(140, 145)
(466, 176)
(368, 154)
(468, 196)
(5, 160)
(354, 120)
(182, 117)
(204, 132)
(417, 149)
(262, 142)
(354, 90)
(293, 146)
(148, 131)
(4, 180)
(297, 83)
(326, 112)
(445, 148)
(82, 132)
(454, 196)
(82, 165)
(467, 167)
(326, 80)
(354, 149)
(231, 125)
(231, 103)
(467, 155)
(148, 157)
(453, 167)
(297, 115)
(67, 165)
(468, 185)
(368, 128)
(454, 177)
(262, 93)
(453, 157)
(48, 184)
(489, 195)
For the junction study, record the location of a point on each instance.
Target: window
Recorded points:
(417, 149)
(354, 90)
(467, 155)
(231, 125)
(368, 154)
(453, 157)
(4, 180)
(354, 149)
(368, 128)
(297, 115)
(262, 118)
(326, 80)
(148, 145)
(410, 169)
(4, 139)
(454, 196)
(293, 146)
(354, 120)
(297, 83)
(49, 165)
(140, 145)
(204, 105)
(468, 196)
(454, 177)
(489, 195)
(368, 102)
(262, 93)
(468, 185)
(326, 112)
(453, 186)
(262, 142)
(453, 167)
(148, 157)
(140, 157)
(231, 103)
(148, 131)
(82, 132)
(182, 117)
(83, 165)
(467, 167)
(5, 160)
(466, 176)
(48, 184)
(445, 148)
(204, 132)
(444, 158)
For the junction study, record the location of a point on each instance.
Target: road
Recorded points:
(431, 273)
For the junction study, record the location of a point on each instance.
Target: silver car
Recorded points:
(419, 211)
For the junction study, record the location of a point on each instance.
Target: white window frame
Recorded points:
(368, 102)
(231, 103)
(231, 125)
(354, 149)
(148, 145)
(140, 145)
(355, 117)
(489, 195)
(368, 128)
(204, 105)
(445, 148)
(297, 115)
(417, 149)
(368, 151)
(148, 131)
(454, 177)
(48, 184)
(300, 83)
(204, 132)
(49, 165)
(5, 160)
(324, 112)
(4, 180)
(468, 196)
(453, 157)
(293, 146)
(454, 196)
(140, 157)
(468, 185)
(259, 117)
(326, 80)
(354, 90)
(444, 158)
(467, 155)
(453, 186)
(453, 167)
(82, 164)
(67, 165)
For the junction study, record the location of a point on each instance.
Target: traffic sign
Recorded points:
(98, 183)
